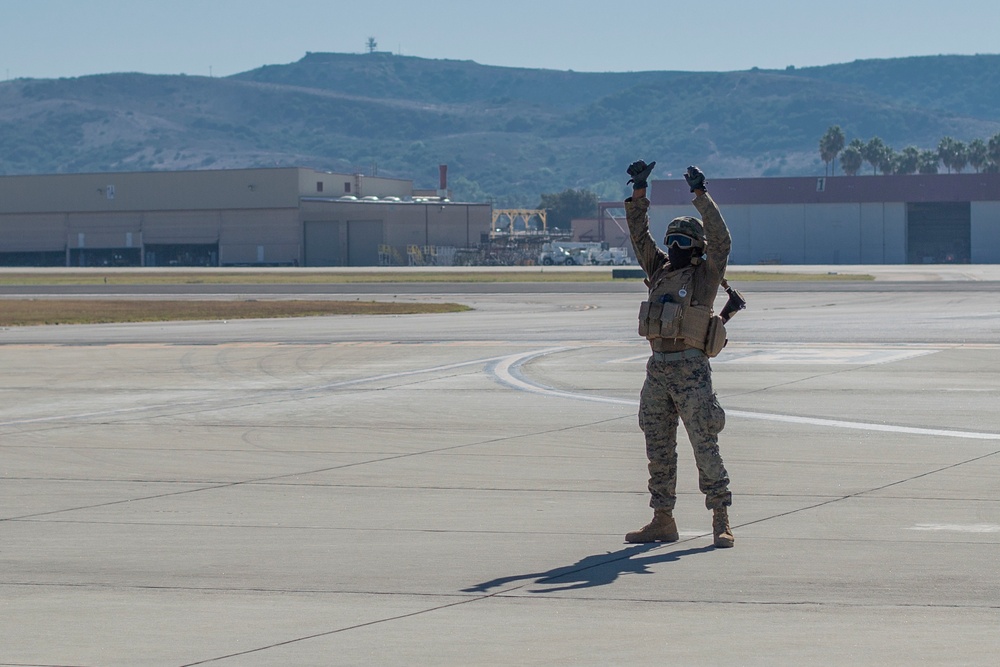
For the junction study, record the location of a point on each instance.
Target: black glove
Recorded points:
(695, 179)
(640, 171)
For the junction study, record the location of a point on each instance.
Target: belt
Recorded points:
(677, 356)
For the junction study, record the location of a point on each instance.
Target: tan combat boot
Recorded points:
(720, 528)
(662, 528)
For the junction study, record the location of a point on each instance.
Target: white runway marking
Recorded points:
(959, 527)
(811, 355)
(202, 403)
(508, 372)
(864, 426)
(822, 355)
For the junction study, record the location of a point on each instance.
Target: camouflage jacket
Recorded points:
(706, 275)
(653, 260)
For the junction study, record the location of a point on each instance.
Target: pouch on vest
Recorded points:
(659, 320)
(715, 339)
(644, 317)
(694, 327)
(670, 320)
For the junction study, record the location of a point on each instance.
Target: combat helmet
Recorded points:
(687, 226)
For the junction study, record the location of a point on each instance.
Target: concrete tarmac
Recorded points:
(454, 489)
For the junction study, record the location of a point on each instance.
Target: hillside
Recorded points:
(507, 134)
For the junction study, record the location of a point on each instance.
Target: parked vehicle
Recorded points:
(610, 256)
(571, 253)
(555, 254)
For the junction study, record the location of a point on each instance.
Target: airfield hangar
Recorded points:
(239, 217)
(296, 216)
(894, 219)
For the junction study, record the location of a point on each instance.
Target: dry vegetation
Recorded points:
(23, 312)
(224, 277)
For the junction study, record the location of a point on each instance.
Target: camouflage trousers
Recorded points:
(682, 390)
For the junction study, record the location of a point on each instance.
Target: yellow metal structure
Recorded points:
(512, 215)
(389, 256)
(415, 255)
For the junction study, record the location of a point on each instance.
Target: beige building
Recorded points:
(240, 217)
(885, 219)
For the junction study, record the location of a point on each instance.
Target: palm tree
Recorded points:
(993, 152)
(909, 160)
(830, 146)
(949, 152)
(978, 154)
(961, 157)
(887, 163)
(851, 159)
(929, 162)
(873, 152)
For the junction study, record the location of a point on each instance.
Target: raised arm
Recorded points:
(719, 241)
(647, 253)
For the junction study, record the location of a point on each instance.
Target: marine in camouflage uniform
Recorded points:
(678, 384)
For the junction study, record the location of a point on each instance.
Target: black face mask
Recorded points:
(680, 257)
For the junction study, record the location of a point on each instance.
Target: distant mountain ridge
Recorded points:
(507, 134)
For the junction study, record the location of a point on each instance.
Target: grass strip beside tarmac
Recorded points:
(28, 312)
(306, 277)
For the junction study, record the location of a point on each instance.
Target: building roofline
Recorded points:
(158, 172)
(836, 189)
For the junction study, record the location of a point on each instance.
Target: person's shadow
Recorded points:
(596, 570)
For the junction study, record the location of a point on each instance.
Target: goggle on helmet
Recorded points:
(685, 232)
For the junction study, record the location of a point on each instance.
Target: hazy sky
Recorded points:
(67, 38)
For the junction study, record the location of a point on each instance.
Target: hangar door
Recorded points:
(323, 246)
(939, 233)
(363, 239)
(351, 243)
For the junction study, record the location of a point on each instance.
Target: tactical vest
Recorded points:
(671, 315)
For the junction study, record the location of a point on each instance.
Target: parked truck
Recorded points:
(556, 254)
(610, 256)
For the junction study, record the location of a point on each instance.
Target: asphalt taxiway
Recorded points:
(453, 489)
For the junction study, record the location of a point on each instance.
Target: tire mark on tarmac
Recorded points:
(202, 405)
(508, 371)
